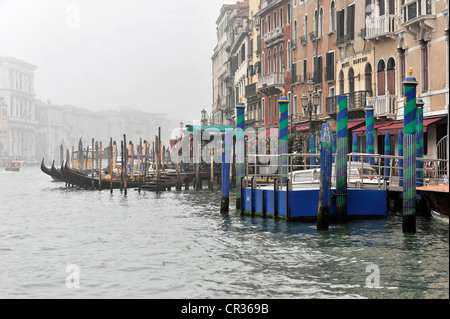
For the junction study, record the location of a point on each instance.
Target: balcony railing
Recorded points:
(271, 80)
(384, 105)
(273, 35)
(380, 26)
(250, 90)
(356, 101)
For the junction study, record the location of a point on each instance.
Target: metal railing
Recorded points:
(264, 170)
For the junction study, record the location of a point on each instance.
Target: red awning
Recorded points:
(350, 125)
(362, 130)
(394, 128)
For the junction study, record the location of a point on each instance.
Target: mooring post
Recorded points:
(122, 156)
(140, 165)
(325, 178)
(226, 159)
(400, 161)
(333, 147)
(283, 132)
(111, 167)
(355, 146)
(92, 163)
(312, 147)
(252, 196)
(125, 150)
(370, 132)
(211, 172)
(240, 150)
(387, 151)
(100, 167)
(275, 202)
(419, 141)
(409, 145)
(341, 162)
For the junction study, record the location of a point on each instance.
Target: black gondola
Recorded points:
(47, 171)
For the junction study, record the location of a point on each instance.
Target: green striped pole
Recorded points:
(240, 150)
(370, 132)
(409, 149)
(283, 133)
(419, 136)
(341, 162)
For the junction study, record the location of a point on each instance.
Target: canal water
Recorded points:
(178, 245)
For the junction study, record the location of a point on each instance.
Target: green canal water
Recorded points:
(178, 245)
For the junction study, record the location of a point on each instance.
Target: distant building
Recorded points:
(17, 89)
(3, 128)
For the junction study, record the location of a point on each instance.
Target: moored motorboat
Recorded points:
(13, 166)
(437, 197)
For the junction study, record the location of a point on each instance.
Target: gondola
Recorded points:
(47, 171)
(57, 174)
(85, 181)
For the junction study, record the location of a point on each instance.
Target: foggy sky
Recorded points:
(106, 54)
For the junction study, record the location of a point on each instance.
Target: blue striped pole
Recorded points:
(226, 160)
(333, 139)
(240, 150)
(387, 151)
(341, 162)
(370, 132)
(355, 147)
(283, 133)
(400, 161)
(325, 178)
(409, 161)
(419, 141)
(312, 147)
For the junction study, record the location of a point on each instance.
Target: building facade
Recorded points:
(3, 128)
(17, 89)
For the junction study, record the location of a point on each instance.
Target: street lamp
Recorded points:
(204, 118)
(310, 105)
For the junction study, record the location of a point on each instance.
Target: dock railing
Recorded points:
(384, 174)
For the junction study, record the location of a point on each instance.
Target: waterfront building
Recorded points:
(17, 90)
(407, 34)
(223, 108)
(253, 100)
(3, 128)
(313, 55)
(275, 31)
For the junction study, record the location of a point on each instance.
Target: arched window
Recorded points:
(381, 70)
(295, 31)
(351, 80)
(269, 62)
(263, 64)
(275, 64)
(316, 22)
(391, 77)
(332, 16)
(341, 83)
(281, 59)
(368, 78)
(305, 27)
(321, 22)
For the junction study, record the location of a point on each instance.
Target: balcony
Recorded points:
(250, 91)
(273, 36)
(356, 104)
(385, 106)
(381, 27)
(271, 83)
(313, 36)
(419, 15)
(303, 40)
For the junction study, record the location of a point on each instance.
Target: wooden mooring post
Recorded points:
(92, 163)
(111, 168)
(125, 161)
(100, 167)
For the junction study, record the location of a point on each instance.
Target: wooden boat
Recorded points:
(437, 198)
(47, 171)
(13, 166)
(85, 181)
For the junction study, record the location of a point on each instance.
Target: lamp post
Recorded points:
(310, 105)
(204, 118)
